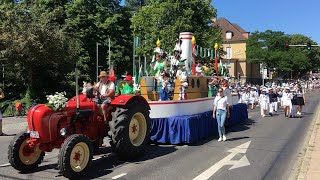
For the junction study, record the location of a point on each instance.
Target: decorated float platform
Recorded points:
(186, 121)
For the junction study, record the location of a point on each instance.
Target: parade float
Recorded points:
(190, 120)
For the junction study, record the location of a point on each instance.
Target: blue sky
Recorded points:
(288, 16)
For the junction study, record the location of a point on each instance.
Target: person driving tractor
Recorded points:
(105, 92)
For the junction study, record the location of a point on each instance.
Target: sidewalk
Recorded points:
(13, 125)
(310, 165)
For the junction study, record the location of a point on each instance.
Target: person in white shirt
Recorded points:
(221, 112)
(253, 97)
(300, 98)
(227, 92)
(286, 100)
(199, 69)
(105, 92)
(245, 97)
(264, 102)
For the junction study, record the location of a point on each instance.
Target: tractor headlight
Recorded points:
(63, 131)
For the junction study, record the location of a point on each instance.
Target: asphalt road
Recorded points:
(260, 148)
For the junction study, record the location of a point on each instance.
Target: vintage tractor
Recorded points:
(78, 130)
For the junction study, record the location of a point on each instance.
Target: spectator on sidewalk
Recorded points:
(1, 97)
(18, 109)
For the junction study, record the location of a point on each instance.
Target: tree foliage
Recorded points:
(165, 19)
(94, 21)
(268, 48)
(34, 48)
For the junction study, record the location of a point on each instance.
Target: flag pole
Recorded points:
(216, 46)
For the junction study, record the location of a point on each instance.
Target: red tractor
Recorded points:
(78, 130)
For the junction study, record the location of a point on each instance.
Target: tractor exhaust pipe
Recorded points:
(77, 88)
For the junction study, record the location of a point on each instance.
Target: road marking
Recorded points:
(119, 176)
(5, 165)
(241, 149)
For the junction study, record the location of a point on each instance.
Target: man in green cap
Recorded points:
(181, 71)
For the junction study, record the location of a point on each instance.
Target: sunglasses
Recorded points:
(220, 91)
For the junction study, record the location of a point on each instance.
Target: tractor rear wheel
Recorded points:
(21, 156)
(75, 156)
(130, 130)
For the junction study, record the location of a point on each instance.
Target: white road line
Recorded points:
(5, 165)
(119, 176)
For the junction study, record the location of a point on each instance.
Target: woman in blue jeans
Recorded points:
(220, 112)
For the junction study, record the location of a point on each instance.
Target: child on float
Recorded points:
(165, 87)
(128, 88)
(183, 88)
(264, 102)
(181, 71)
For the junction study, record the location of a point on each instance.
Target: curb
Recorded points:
(303, 161)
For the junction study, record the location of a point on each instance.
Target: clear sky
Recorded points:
(288, 16)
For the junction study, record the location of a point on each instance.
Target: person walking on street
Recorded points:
(1, 97)
(300, 99)
(264, 102)
(221, 112)
(286, 99)
(273, 102)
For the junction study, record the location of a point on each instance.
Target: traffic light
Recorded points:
(286, 46)
(309, 46)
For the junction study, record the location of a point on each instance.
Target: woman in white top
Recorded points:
(286, 100)
(252, 98)
(220, 112)
(245, 97)
(264, 102)
(300, 98)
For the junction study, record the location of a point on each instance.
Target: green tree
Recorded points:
(135, 5)
(165, 19)
(92, 21)
(268, 48)
(34, 46)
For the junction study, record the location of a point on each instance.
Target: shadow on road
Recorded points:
(237, 138)
(104, 166)
(242, 126)
(107, 161)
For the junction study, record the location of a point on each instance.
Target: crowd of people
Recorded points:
(291, 98)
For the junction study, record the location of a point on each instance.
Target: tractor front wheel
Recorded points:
(130, 130)
(75, 156)
(22, 156)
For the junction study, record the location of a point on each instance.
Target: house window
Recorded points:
(229, 53)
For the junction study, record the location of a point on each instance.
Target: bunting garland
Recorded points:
(204, 52)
